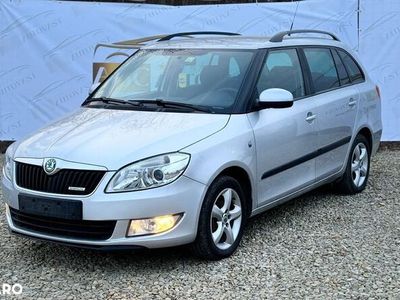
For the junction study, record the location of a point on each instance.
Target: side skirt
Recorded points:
(297, 193)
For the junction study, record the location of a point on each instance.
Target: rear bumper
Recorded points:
(376, 140)
(182, 196)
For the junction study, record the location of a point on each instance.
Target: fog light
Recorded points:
(152, 225)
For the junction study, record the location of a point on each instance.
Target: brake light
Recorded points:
(378, 92)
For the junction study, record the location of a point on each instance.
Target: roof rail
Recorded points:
(171, 36)
(277, 38)
(141, 41)
(137, 43)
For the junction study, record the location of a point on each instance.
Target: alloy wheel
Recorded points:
(359, 164)
(226, 218)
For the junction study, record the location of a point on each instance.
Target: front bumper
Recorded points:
(182, 196)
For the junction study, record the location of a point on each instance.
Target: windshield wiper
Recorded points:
(112, 101)
(172, 104)
(158, 102)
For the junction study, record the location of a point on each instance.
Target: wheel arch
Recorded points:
(367, 132)
(243, 177)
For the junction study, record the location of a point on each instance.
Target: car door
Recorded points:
(336, 108)
(285, 138)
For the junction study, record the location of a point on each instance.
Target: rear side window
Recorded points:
(353, 69)
(322, 67)
(343, 76)
(282, 70)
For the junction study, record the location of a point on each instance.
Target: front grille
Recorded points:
(88, 230)
(33, 177)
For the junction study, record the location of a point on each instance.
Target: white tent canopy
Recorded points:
(46, 47)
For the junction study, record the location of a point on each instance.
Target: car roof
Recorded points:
(239, 42)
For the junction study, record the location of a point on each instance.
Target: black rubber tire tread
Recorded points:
(204, 247)
(346, 185)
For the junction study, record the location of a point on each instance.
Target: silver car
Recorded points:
(190, 137)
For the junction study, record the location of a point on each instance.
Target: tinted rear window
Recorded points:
(343, 76)
(322, 68)
(353, 69)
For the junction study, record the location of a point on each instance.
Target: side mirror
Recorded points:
(275, 98)
(93, 87)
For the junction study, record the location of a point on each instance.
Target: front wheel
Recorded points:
(355, 177)
(222, 218)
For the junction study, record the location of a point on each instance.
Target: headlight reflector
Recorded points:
(152, 172)
(152, 225)
(8, 170)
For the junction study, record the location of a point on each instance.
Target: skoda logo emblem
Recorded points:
(49, 166)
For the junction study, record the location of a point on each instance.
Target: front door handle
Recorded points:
(310, 117)
(352, 102)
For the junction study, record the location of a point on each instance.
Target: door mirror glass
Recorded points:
(275, 98)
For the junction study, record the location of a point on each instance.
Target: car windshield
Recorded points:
(194, 77)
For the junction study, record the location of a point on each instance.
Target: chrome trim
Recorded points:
(54, 170)
(61, 164)
(76, 188)
(39, 162)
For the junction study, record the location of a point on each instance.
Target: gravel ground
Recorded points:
(319, 246)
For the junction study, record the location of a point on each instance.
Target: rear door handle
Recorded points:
(352, 102)
(310, 117)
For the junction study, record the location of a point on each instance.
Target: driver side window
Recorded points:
(282, 70)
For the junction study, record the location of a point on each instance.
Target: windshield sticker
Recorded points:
(182, 80)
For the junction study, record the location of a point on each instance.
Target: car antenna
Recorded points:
(294, 16)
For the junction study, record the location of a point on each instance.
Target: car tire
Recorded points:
(222, 219)
(355, 177)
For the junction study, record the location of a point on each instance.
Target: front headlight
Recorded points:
(149, 173)
(8, 167)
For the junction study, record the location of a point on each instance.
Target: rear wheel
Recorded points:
(355, 178)
(222, 219)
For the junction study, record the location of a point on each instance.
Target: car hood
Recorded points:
(114, 138)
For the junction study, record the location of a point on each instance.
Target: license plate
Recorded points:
(51, 207)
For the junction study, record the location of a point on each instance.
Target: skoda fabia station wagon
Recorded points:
(190, 137)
